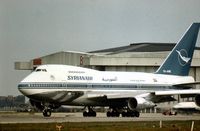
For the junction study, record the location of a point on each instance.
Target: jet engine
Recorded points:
(139, 103)
(197, 100)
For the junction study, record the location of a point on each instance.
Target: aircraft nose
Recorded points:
(23, 88)
(20, 88)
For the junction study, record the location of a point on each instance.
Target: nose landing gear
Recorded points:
(47, 112)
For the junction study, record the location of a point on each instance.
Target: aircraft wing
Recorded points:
(189, 85)
(130, 94)
(154, 96)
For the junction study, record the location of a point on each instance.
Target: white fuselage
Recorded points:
(74, 85)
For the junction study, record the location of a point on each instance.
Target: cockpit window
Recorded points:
(43, 70)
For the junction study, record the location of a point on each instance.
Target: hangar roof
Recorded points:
(136, 54)
(140, 47)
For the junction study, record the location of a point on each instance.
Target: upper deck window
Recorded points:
(43, 70)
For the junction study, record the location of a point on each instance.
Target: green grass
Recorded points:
(104, 126)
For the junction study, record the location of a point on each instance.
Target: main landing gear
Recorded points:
(113, 112)
(89, 112)
(47, 110)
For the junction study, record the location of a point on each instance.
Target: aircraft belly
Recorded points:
(100, 102)
(56, 96)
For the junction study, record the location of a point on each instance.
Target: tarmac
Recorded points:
(10, 117)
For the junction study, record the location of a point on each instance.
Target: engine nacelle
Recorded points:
(197, 100)
(139, 103)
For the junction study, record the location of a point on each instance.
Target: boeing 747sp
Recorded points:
(125, 93)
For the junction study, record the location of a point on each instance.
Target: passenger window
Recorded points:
(43, 70)
(37, 70)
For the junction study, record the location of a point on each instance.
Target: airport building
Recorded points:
(139, 57)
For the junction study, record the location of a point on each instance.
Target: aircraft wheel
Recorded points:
(89, 114)
(113, 114)
(85, 114)
(47, 112)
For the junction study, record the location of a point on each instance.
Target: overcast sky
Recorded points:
(34, 28)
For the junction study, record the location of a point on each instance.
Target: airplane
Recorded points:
(124, 93)
(186, 107)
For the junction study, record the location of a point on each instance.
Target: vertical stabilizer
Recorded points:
(179, 60)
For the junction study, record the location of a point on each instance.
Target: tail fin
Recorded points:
(179, 60)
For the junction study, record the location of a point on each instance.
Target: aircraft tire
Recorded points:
(85, 114)
(89, 114)
(47, 113)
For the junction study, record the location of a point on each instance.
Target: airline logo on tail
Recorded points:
(183, 57)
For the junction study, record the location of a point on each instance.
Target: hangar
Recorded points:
(139, 57)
